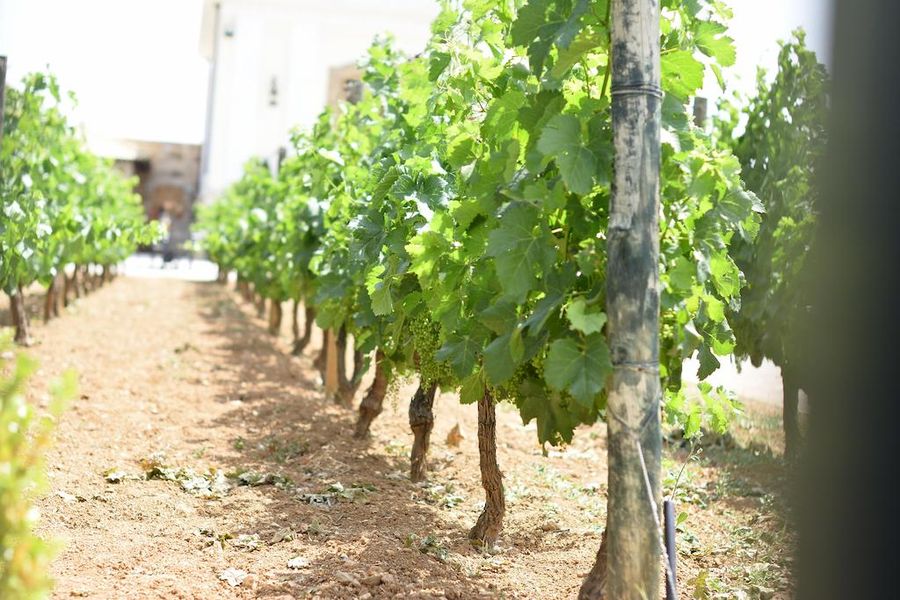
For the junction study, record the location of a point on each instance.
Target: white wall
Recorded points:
(297, 42)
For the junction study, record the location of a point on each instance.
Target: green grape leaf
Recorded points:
(472, 389)
(519, 249)
(498, 362)
(579, 368)
(708, 363)
(561, 139)
(461, 352)
(583, 321)
(682, 74)
(555, 423)
(711, 42)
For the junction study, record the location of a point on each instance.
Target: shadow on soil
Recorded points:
(291, 430)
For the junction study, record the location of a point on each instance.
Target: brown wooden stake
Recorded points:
(331, 370)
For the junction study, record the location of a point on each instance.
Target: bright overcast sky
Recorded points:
(135, 66)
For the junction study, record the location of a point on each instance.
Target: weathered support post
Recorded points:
(633, 563)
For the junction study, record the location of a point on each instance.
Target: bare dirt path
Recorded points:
(178, 377)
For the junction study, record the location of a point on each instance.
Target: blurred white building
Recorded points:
(274, 64)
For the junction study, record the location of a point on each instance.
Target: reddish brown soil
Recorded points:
(186, 370)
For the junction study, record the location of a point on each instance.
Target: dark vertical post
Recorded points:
(671, 574)
(847, 477)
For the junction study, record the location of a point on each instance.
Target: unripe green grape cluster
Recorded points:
(426, 341)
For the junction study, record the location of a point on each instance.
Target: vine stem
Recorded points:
(605, 85)
(681, 471)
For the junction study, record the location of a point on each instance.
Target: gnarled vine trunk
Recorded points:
(295, 323)
(321, 361)
(49, 300)
(487, 529)
(790, 412)
(68, 287)
(20, 318)
(421, 421)
(275, 316)
(373, 402)
(261, 306)
(632, 305)
(309, 318)
(347, 385)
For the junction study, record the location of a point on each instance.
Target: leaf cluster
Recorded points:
(59, 203)
(466, 198)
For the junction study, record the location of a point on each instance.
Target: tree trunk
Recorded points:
(421, 421)
(490, 522)
(372, 403)
(261, 306)
(309, 319)
(275, 317)
(632, 287)
(20, 318)
(790, 415)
